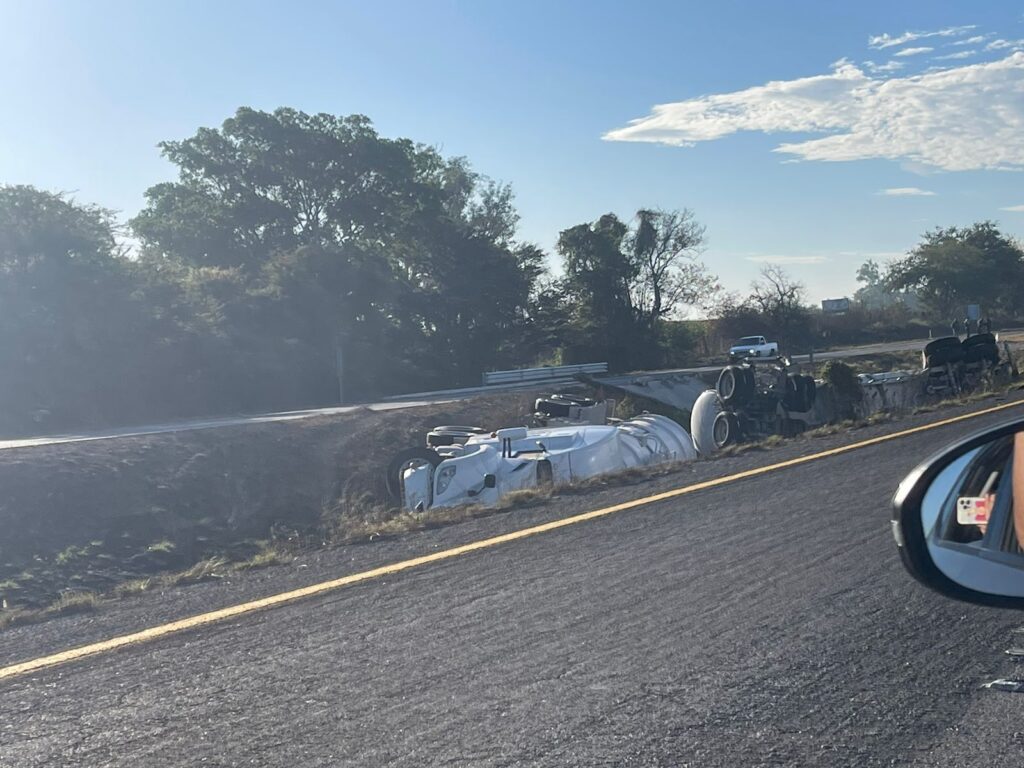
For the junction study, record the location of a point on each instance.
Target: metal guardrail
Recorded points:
(547, 373)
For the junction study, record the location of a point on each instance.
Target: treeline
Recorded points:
(301, 259)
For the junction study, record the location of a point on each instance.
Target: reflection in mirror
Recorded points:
(973, 518)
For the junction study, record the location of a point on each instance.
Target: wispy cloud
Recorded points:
(889, 66)
(972, 40)
(888, 41)
(957, 55)
(914, 51)
(770, 259)
(905, 192)
(964, 117)
(1003, 45)
(1014, 208)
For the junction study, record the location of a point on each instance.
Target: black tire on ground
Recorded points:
(943, 356)
(982, 352)
(946, 342)
(393, 478)
(552, 407)
(733, 385)
(725, 429)
(979, 340)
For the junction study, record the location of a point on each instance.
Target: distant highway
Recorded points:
(417, 399)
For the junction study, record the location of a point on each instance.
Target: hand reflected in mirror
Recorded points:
(968, 506)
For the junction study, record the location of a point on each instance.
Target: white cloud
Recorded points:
(913, 51)
(972, 40)
(957, 55)
(1014, 208)
(961, 118)
(905, 192)
(1001, 45)
(769, 259)
(889, 66)
(888, 41)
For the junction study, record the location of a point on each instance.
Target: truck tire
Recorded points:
(979, 352)
(810, 391)
(946, 342)
(726, 429)
(748, 376)
(979, 339)
(944, 355)
(733, 385)
(793, 399)
(393, 478)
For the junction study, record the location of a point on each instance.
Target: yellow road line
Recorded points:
(213, 617)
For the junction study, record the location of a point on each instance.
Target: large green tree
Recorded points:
(376, 253)
(956, 266)
(71, 342)
(623, 282)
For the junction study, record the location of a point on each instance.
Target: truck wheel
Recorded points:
(726, 429)
(733, 385)
(793, 398)
(748, 378)
(944, 355)
(982, 352)
(946, 342)
(810, 391)
(979, 339)
(402, 461)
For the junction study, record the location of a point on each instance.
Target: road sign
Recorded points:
(834, 306)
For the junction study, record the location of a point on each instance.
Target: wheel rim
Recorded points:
(728, 384)
(721, 432)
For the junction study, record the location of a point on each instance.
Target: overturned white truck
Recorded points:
(463, 465)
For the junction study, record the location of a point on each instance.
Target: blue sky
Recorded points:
(558, 99)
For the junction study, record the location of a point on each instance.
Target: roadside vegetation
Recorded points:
(301, 259)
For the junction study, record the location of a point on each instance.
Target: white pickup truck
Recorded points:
(754, 346)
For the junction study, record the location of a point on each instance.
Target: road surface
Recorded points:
(763, 622)
(422, 398)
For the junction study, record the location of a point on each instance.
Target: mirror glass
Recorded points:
(973, 518)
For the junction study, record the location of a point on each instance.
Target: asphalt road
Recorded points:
(765, 622)
(408, 401)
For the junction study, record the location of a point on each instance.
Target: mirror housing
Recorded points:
(927, 520)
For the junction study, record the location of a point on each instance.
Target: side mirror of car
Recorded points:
(490, 481)
(958, 519)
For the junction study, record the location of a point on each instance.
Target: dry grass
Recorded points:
(68, 603)
(204, 570)
(738, 449)
(849, 425)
